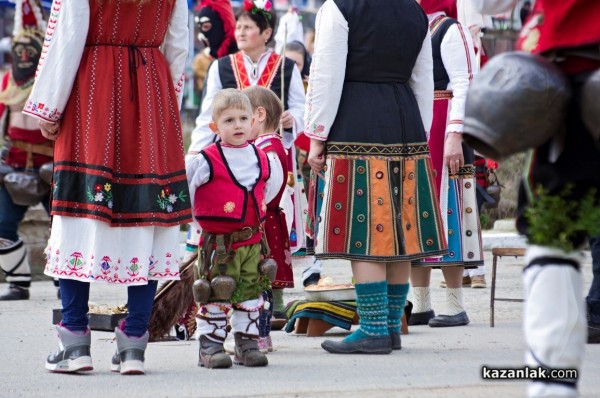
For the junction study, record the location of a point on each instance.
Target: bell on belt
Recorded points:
(518, 101)
(201, 289)
(223, 285)
(46, 172)
(590, 107)
(268, 267)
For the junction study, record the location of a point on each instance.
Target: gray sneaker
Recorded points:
(129, 357)
(73, 354)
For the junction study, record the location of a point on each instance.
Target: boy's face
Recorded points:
(234, 126)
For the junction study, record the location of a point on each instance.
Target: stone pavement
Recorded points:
(432, 363)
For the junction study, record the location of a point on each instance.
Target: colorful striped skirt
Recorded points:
(379, 207)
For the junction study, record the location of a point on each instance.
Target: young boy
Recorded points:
(267, 113)
(231, 182)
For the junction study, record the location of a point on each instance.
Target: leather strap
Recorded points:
(33, 148)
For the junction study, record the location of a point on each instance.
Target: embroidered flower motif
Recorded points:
(76, 261)
(318, 128)
(134, 267)
(229, 207)
(151, 263)
(101, 193)
(166, 199)
(105, 265)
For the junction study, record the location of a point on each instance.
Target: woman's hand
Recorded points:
(287, 120)
(453, 154)
(316, 155)
(49, 129)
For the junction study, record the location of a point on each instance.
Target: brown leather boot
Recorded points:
(212, 354)
(247, 352)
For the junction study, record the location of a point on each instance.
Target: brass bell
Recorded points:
(268, 267)
(223, 287)
(201, 289)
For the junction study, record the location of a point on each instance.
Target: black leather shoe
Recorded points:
(442, 321)
(396, 341)
(593, 333)
(312, 280)
(420, 318)
(15, 292)
(368, 345)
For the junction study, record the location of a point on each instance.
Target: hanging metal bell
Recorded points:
(590, 107)
(223, 287)
(201, 290)
(268, 267)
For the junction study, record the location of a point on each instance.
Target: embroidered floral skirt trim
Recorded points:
(92, 251)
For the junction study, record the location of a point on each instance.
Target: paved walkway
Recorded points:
(432, 363)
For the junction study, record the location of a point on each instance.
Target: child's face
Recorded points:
(234, 126)
(297, 58)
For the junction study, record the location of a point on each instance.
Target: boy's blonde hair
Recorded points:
(227, 99)
(260, 96)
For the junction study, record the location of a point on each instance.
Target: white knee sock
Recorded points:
(212, 321)
(245, 316)
(554, 319)
(421, 299)
(454, 301)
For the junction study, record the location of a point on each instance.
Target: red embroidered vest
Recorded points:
(223, 205)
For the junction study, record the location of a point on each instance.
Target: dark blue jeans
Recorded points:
(75, 297)
(593, 298)
(11, 215)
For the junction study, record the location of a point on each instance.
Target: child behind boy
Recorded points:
(231, 182)
(267, 111)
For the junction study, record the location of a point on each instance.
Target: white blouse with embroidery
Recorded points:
(202, 136)
(458, 56)
(327, 73)
(64, 43)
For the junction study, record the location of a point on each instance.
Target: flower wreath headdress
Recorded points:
(259, 7)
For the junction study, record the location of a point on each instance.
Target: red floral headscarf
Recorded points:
(447, 6)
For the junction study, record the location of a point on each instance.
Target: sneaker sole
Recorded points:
(132, 368)
(478, 286)
(81, 364)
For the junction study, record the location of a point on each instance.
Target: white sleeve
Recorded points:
(176, 45)
(458, 57)
(66, 34)
(421, 83)
(296, 101)
(197, 170)
(276, 178)
(327, 71)
(202, 136)
(493, 7)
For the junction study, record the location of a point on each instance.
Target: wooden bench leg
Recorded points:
(301, 325)
(317, 327)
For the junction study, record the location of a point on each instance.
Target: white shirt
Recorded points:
(202, 136)
(328, 69)
(63, 48)
(492, 7)
(289, 29)
(458, 56)
(243, 163)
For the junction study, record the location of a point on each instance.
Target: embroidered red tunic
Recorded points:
(276, 225)
(223, 205)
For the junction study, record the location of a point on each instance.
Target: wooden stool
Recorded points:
(317, 327)
(499, 252)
